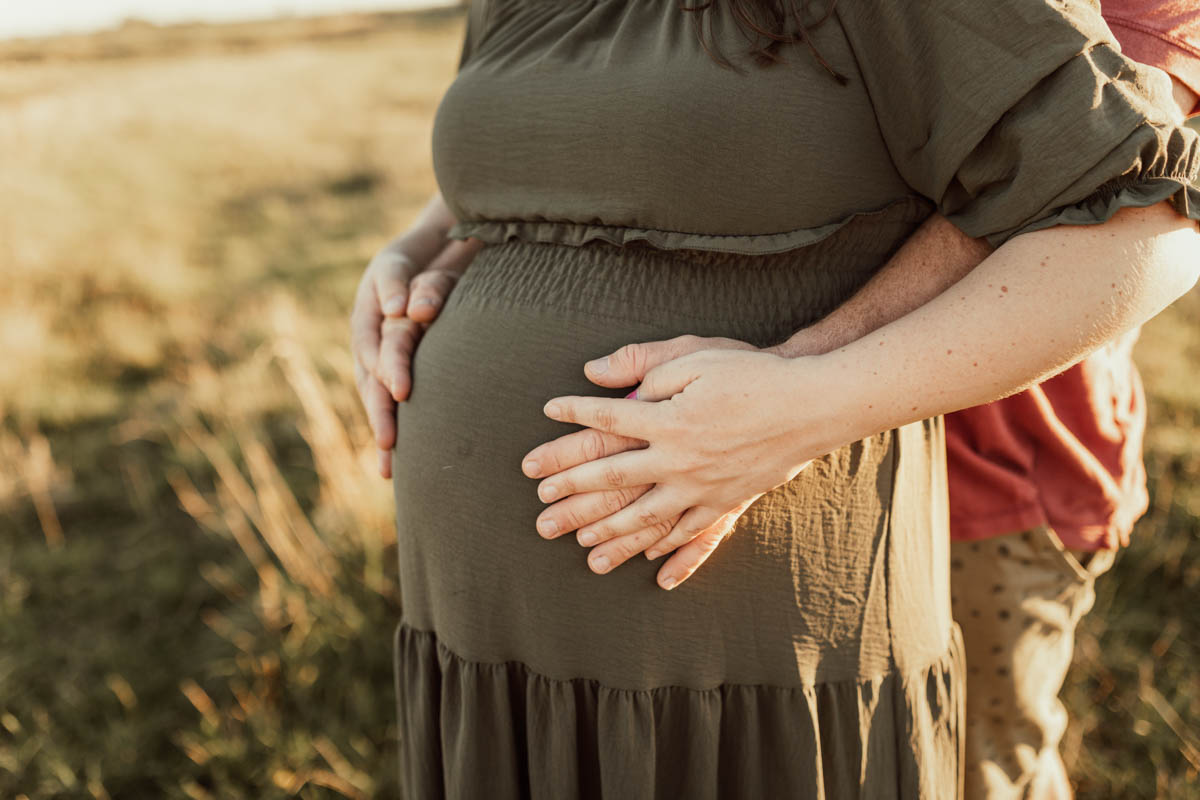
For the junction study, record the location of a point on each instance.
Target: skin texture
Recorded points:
(932, 260)
(723, 426)
(400, 293)
(414, 274)
(1185, 98)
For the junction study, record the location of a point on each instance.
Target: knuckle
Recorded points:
(394, 264)
(663, 528)
(592, 445)
(638, 358)
(396, 342)
(603, 418)
(612, 502)
(572, 520)
(649, 519)
(628, 495)
(625, 548)
(666, 544)
(613, 477)
(442, 276)
(423, 281)
(632, 354)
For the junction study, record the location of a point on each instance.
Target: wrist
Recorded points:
(420, 244)
(828, 405)
(823, 336)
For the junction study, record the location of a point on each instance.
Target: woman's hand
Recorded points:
(402, 290)
(737, 424)
(934, 258)
(626, 367)
(718, 431)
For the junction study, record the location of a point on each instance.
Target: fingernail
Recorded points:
(668, 583)
(587, 540)
(547, 528)
(548, 493)
(651, 554)
(385, 457)
(426, 301)
(601, 564)
(394, 305)
(531, 468)
(632, 395)
(552, 410)
(599, 366)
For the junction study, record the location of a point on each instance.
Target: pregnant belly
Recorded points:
(798, 579)
(465, 512)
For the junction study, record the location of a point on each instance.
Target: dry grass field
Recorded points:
(196, 581)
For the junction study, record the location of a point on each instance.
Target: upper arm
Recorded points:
(1015, 115)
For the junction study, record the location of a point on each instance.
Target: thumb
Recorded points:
(631, 363)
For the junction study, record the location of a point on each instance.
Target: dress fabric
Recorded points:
(628, 188)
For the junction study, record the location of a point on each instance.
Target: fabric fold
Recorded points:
(1015, 126)
(1183, 195)
(578, 234)
(528, 735)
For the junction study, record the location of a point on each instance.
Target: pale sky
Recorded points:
(45, 17)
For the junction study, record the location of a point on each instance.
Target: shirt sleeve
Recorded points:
(1016, 115)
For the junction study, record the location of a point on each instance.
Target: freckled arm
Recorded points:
(933, 259)
(1035, 306)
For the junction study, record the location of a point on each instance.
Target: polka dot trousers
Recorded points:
(1018, 599)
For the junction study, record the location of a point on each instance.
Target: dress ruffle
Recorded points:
(1183, 195)
(528, 736)
(576, 234)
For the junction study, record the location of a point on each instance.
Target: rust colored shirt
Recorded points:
(1161, 33)
(1068, 452)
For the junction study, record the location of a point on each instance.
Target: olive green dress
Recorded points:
(629, 188)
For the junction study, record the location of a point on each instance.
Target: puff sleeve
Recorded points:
(1016, 115)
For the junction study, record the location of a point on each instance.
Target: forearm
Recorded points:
(1032, 308)
(933, 259)
(426, 237)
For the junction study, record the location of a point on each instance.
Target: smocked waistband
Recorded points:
(639, 282)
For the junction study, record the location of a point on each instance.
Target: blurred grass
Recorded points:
(196, 589)
(196, 584)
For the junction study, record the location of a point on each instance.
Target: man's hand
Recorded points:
(397, 298)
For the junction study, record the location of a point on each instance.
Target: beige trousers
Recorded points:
(1018, 599)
